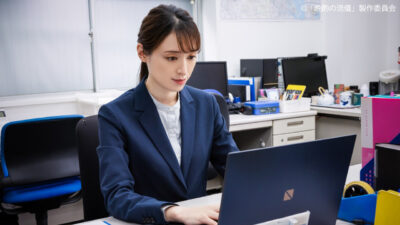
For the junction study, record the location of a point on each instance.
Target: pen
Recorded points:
(106, 222)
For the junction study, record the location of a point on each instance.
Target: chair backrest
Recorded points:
(223, 106)
(38, 150)
(88, 140)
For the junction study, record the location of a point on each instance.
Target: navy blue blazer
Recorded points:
(139, 172)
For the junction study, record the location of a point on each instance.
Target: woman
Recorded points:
(156, 140)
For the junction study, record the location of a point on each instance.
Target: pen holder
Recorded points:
(299, 105)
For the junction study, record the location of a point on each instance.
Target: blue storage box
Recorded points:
(263, 107)
(359, 207)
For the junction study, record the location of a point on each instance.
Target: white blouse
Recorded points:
(170, 118)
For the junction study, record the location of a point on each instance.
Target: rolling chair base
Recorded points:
(39, 208)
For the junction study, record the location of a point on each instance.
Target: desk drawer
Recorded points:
(285, 139)
(293, 125)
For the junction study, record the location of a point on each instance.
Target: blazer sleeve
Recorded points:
(223, 142)
(116, 180)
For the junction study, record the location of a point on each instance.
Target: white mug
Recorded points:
(314, 99)
(345, 98)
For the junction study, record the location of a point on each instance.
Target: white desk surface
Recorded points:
(246, 122)
(353, 112)
(352, 175)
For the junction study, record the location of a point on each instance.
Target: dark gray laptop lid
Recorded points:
(275, 182)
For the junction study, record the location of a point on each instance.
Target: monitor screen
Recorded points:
(308, 71)
(210, 75)
(265, 68)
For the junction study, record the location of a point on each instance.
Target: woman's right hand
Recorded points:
(207, 215)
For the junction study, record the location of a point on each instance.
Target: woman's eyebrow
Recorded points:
(173, 51)
(179, 52)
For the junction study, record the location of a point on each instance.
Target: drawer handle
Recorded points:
(295, 123)
(294, 138)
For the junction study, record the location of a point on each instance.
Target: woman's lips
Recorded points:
(179, 81)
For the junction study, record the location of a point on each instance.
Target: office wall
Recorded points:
(45, 46)
(358, 44)
(116, 26)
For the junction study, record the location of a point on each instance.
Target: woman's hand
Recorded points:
(207, 215)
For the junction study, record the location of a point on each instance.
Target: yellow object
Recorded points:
(321, 90)
(387, 208)
(294, 92)
(356, 188)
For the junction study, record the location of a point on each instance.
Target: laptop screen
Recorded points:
(270, 183)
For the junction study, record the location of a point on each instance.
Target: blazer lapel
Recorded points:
(188, 118)
(151, 123)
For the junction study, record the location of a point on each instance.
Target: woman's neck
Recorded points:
(160, 94)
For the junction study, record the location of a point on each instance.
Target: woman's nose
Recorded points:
(182, 69)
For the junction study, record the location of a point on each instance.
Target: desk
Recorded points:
(332, 122)
(353, 113)
(352, 175)
(283, 128)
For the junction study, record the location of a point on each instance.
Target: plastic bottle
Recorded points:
(398, 61)
(281, 84)
(364, 90)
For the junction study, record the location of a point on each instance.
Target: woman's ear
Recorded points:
(140, 51)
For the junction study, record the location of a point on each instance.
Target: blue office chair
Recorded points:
(39, 163)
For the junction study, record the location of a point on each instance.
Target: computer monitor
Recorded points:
(309, 71)
(210, 75)
(267, 69)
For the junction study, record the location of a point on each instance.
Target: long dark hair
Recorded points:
(159, 23)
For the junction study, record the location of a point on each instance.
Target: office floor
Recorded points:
(64, 214)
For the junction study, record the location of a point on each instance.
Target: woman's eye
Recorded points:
(192, 57)
(172, 58)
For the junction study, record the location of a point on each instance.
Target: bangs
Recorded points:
(188, 37)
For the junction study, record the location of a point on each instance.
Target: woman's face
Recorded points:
(169, 67)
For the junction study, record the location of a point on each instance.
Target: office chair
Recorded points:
(39, 162)
(223, 106)
(88, 140)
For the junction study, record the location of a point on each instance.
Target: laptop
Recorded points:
(275, 182)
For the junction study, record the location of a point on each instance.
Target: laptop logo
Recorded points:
(288, 195)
